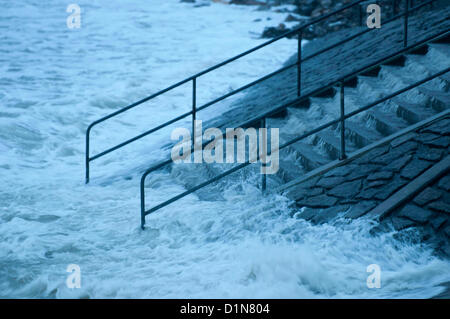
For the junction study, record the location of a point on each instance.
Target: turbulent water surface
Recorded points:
(54, 81)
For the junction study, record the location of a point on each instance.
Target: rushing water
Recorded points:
(54, 81)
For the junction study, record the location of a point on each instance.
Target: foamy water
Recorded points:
(55, 81)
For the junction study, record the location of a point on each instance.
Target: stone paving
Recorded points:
(354, 189)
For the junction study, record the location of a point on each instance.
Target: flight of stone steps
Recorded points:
(363, 129)
(367, 127)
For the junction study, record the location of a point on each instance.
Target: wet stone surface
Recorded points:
(354, 189)
(331, 65)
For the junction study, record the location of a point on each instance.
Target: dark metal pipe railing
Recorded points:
(303, 136)
(194, 107)
(263, 143)
(262, 118)
(299, 63)
(142, 135)
(342, 100)
(242, 88)
(193, 78)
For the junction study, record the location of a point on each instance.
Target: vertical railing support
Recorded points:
(194, 108)
(299, 63)
(87, 162)
(87, 159)
(342, 155)
(394, 8)
(405, 25)
(143, 201)
(263, 144)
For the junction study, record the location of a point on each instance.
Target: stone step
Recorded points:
(328, 93)
(398, 61)
(360, 134)
(444, 40)
(274, 122)
(280, 114)
(386, 123)
(439, 49)
(309, 158)
(440, 100)
(289, 170)
(190, 175)
(422, 50)
(445, 77)
(444, 51)
(332, 143)
(427, 67)
(303, 104)
(372, 72)
(412, 112)
(376, 87)
(353, 82)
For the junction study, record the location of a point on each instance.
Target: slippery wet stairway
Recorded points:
(370, 126)
(383, 120)
(298, 82)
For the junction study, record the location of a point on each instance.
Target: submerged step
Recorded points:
(439, 50)
(279, 114)
(412, 112)
(373, 72)
(422, 50)
(445, 77)
(427, 65)
(445, 39)
(360, 134)
(387, 123)
(332, 143)
(398, 61)
(289, 170)
(327, 93)
(374, 84)
(440, 100)
(353, 82)
(308, 156)
(301, 103)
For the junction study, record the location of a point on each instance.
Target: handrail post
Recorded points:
(405, 25)
(263, 144)
(394, 7)
(342, 155)
(87, 155)
(194, 108)
(299, 63)
(143, 201)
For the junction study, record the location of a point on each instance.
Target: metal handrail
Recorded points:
(262, 118)
(193, 78)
